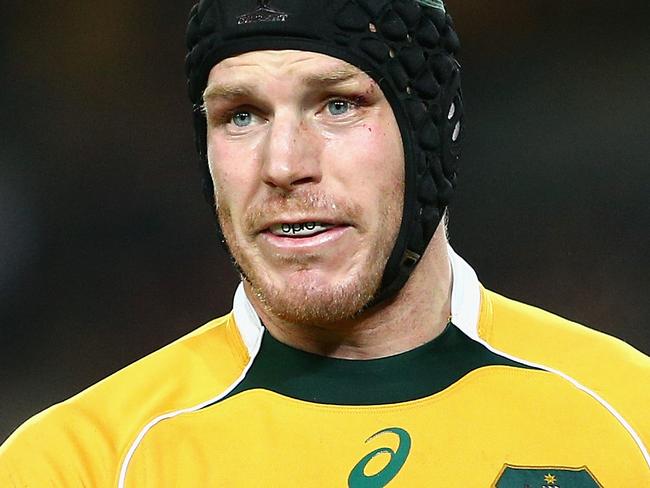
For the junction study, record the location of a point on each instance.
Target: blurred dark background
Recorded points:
(108, 251)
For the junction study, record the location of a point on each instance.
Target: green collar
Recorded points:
(414, 374)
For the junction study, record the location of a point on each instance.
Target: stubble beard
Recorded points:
(306, 300)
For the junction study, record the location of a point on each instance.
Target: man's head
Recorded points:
(308, 167)
(403, 52)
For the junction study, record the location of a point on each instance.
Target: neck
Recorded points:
(415, 316)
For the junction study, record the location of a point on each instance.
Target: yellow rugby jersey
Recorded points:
(507, 396)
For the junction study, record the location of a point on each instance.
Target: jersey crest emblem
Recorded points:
(359, 478)
(545, 477)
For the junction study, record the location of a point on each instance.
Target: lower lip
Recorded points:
(297, 243)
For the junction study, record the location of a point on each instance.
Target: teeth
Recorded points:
(303, 229)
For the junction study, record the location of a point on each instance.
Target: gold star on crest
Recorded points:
(550, 479)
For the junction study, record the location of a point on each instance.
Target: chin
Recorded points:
(308, 300)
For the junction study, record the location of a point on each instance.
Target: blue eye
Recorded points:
(242, 119)
(338, 107)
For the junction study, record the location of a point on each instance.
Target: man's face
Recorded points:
(308, 169)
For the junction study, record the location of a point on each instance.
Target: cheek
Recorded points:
(229, 206)
(221, 157)
(369, 164)
(233, 174)
(374, 150)
(384, 153)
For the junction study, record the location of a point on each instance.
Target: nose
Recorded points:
(290, 155)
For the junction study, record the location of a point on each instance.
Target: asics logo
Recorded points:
(358, 477)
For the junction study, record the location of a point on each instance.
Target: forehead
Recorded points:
(301, 67)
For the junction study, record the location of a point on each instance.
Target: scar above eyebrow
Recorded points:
(231, 91)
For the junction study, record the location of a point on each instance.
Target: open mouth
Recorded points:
(299, 229)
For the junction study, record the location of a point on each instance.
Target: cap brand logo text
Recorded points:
(263, 13)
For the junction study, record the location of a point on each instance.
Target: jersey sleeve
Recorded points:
(60, 447)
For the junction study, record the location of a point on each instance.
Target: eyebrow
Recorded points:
(333, 77)
(233, 91)
(227, 91)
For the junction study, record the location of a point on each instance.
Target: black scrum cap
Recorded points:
(406, 46)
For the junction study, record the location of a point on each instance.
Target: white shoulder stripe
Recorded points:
(251, 330)
(465, 309)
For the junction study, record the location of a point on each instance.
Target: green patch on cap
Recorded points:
(433, 3)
